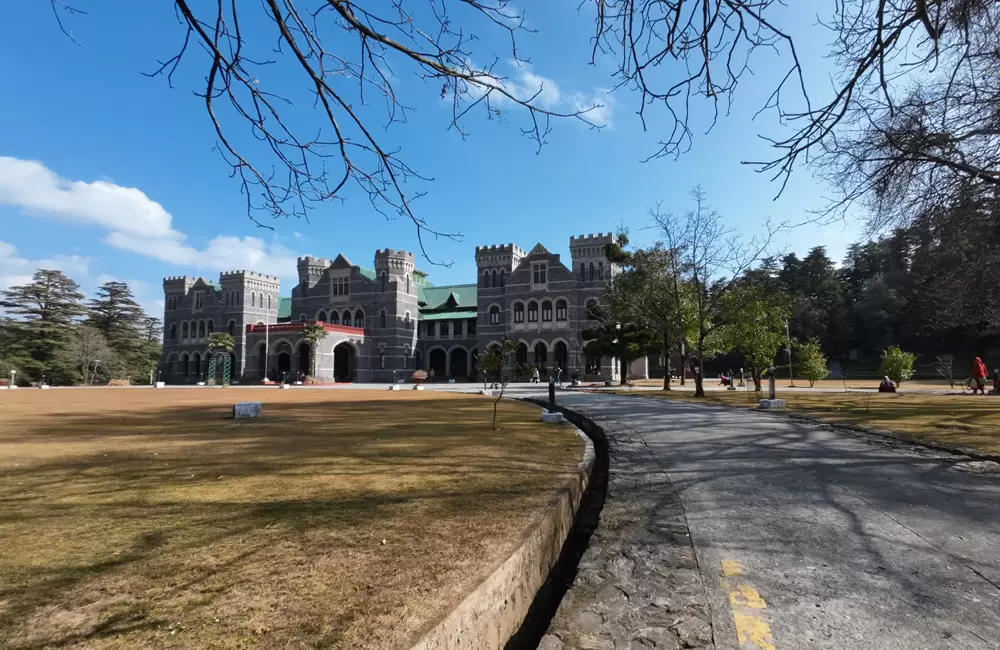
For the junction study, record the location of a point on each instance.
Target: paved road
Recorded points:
(809, 538)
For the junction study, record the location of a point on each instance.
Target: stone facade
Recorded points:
(384, 322)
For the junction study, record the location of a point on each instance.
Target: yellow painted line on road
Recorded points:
(751, 629)
(730, 568)
(746, 596)
(745, 601)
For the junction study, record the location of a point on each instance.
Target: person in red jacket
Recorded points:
(978, 376)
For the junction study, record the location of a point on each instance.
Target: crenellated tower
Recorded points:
(590, 252)
(311, 270)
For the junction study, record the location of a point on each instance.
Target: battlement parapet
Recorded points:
(592, 239)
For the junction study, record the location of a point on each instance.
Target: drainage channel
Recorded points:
(588, 517)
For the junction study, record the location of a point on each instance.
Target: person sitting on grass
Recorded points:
(886, 386)
(978, 376)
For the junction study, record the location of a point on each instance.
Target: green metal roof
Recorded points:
(368, 273)
(448, 315)
(284, 308)
(459, 295)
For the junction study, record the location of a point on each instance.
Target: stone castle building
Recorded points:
(386, 321)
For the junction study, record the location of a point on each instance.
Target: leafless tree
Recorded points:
(348, 58)
(712, 259)
(88, 347)
(910, 118)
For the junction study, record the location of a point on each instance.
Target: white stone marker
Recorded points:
(418, 387)
(159, 384)
(553, 417)
(768, 404)
(246, 410)
(394, 387)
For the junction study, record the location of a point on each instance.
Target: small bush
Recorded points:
(812, 362)
(418, 376)
(119, 382)
(897, 365)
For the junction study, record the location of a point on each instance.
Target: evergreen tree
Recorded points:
(115, 313)
(43, 314)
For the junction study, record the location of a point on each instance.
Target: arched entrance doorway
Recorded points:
(196, 362)
(261, 360)
(344, 363)
(284, 361)
(541, 357)
(521, 355)
(185, 366)
(305, 360)
(459, 366)
(561, 358)
(474, 373)
(437, 361)
(232, 366)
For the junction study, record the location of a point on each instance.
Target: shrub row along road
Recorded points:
(810, 538)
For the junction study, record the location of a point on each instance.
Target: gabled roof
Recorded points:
(341, 262)
(456, 296)
(539, 249)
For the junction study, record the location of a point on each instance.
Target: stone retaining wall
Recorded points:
(493, 612)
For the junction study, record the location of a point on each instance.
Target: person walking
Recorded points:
(978, 376)
(559, 376)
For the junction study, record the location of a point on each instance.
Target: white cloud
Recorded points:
(524, 84)
(16, 270)
(134, 222)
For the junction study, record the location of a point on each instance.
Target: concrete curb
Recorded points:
(495, 609)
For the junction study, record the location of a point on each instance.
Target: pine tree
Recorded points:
(115, 313)
(43, 314)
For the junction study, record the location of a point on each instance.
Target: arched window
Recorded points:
(494, 315)
(560, 309)
(359, 319)
(383, 281)
(184, 330)
(532, 312)
(503, 277)
(335, 318)
(201, 329)
(253, 299)
(173, 331)
(406, 320)
(303, 318)
(583, 272)
(546, 310)
(381, 319)
(407, 283)
(486, 278)
(494, 278)
(321, 316)
(232, 328)
(211, 327)
(600, 270)
(591, 271)
(226, 294)
(346, 318)
(268, 301)
(518, 312)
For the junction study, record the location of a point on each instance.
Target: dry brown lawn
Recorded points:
(957, 420)
(830, 384)
(150, 519)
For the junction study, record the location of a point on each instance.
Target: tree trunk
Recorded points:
(682, 348)
(622, 372)
(666, 360)
(699, 375)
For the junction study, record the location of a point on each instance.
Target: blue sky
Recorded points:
(109, 174)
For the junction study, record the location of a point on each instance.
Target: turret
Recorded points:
(589, 251)
(311, 269)
(397, 266)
